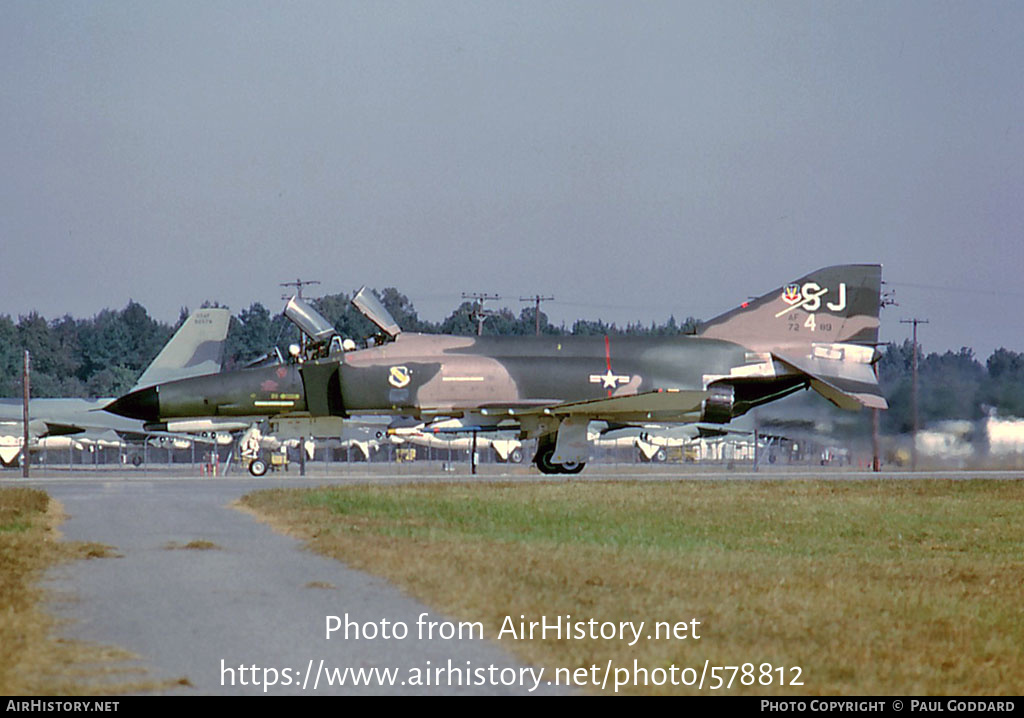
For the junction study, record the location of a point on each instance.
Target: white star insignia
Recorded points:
(609, 380)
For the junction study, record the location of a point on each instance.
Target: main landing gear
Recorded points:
(545, 452)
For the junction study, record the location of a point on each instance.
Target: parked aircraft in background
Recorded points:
(819, 331)
(365, 434)
(652, 440)
(452, 434)
(196, 349)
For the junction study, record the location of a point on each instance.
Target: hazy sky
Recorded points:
(635, 159)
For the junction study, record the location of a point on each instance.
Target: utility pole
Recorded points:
(888, 299)
(536, 299)
(913, 453)
(876, 464)
(298, 284)
(25, 385)
(480, 314)
(472, 455)
(755, 449)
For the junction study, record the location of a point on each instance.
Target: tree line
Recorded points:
(952, 385)
(104, 355)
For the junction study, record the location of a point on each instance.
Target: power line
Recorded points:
(967, 290)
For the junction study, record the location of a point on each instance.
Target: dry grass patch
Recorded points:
(198, 545)
(909, 587)
(32, 660)
(321, 584)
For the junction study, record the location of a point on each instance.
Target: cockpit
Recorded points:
(321, 339)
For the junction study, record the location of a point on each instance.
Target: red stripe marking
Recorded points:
(608, 357)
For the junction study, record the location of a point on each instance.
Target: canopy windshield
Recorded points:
(308, 320)
(367, 303)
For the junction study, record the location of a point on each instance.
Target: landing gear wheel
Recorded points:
(258, 467)
(516, 457)
(543, 460)
(547, 466)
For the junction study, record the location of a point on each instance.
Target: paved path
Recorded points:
(256, 600)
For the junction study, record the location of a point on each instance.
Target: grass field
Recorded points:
(33, 659)
(870, 587)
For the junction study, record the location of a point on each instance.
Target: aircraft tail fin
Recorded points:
(196, 349)
(824, 325)
(834, 304)
(9, 455)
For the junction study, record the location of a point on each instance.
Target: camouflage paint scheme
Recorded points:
(819, 332)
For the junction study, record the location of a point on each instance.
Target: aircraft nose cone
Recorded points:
(143, 404)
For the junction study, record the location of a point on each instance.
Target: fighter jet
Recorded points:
(819, 331)
(195, 349)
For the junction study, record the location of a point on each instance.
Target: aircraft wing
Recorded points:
(81, 418)
(56, 428)
(645, 405)
(42, 428)
(36, 429)
(12, 434)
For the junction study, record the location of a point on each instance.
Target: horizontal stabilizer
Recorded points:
(846, 383)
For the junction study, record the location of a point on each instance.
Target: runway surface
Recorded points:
(257, 603)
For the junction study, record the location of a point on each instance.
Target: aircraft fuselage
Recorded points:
(431, 375)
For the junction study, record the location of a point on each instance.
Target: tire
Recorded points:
(136, 460)
(547, 466)
(543, 460)
(660, 456)
(257, 467)
(516, 456)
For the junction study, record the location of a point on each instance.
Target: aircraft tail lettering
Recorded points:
(824, 325)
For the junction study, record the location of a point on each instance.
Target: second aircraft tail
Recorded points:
(197, 348)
